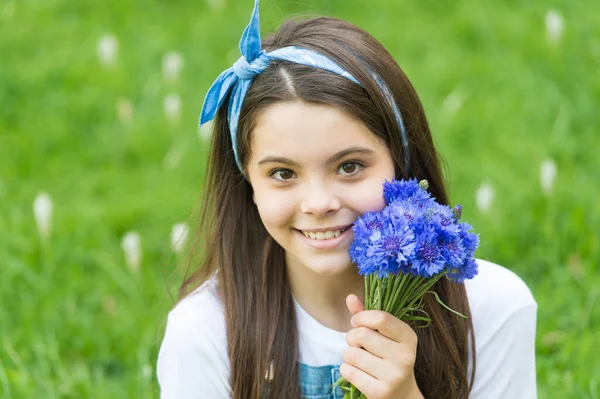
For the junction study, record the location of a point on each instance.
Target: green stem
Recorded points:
(380, 292)
(390, 281)
(366, 292)
(413, 281)
(371, 294)
(398, 284)
(417, 295)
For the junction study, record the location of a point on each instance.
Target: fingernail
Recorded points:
(352, 321)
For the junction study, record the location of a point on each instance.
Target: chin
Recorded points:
(331, 268)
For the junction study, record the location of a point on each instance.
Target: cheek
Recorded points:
(369, 200)
(368, 197)
(274, 209)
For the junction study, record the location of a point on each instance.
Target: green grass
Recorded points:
(75, 322)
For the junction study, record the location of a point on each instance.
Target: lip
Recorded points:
(334, 228)
(330, 243)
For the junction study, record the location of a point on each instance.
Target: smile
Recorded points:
(323, 235)
(326, 239)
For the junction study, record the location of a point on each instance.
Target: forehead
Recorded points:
(299, 130)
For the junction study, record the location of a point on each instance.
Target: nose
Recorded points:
(319, 199)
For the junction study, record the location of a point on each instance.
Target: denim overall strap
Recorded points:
(317, 382)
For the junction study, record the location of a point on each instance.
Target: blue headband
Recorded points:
(254, 61)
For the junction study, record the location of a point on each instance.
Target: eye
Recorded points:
(351, 168)
(284, 174)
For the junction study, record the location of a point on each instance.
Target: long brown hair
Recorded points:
(249, 264)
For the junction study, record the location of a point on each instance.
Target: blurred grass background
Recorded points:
(116, 147)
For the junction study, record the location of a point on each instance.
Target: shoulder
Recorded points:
(197, 322)
(504, 313)
(497, 292)
(200, 313)
(193, 360)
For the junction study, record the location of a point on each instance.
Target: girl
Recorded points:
(308, 126)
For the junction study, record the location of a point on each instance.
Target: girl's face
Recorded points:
(314, 169)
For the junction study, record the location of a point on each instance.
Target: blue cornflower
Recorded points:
(466, 271)
(413, 234)
(442, 214)
(411, 210)
(365, 225)
(470, 240)
(403, 190)
(453, 252)
(372, 221)
(444, 223)
(428, 259)
(363, 228)
(387, 248)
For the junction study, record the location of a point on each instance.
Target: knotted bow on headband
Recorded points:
(253, 62)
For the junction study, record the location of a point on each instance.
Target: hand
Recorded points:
(381, 358)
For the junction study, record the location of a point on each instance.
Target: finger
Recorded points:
(367, 362)
(354, 304)
(386, 324)
(361, 380)
(373, 341)
(397, 356)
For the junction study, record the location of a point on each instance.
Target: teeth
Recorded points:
(323, 235)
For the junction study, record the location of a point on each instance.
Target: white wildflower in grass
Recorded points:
(485, 197)
(147, 371)
(205, 131)
(172, 65)
(172, 107)
(453, 102)
(216, 4)
(108, 48)
(554, 26)
(172, 158)
(132, 247)
(124, 110)
(42, 209)
(547, 175)
(179, 235)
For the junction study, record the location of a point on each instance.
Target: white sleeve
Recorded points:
(505, 367)
(192, 361)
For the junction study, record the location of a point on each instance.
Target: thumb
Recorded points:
(354, 304)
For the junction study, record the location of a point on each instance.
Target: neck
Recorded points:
(324, 296)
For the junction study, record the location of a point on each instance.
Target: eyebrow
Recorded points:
(335, 157)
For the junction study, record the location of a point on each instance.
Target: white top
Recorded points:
(193, 360)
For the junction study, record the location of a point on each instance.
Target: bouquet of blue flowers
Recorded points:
(403, 250)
